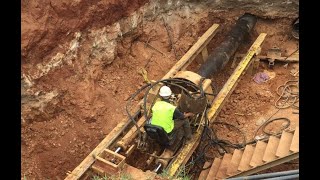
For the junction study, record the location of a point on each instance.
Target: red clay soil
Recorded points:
(46, 24)
(92, 98)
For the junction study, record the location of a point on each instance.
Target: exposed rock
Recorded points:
(42, 105)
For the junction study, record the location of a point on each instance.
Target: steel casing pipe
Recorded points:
(221, 55)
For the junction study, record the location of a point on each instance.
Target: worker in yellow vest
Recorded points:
(168, 116)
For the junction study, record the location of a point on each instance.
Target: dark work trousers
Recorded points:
(183, 123)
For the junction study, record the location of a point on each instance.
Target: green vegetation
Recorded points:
(181, 175)
(165, 174)
(113, 177)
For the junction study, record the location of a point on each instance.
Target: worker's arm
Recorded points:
(179, 115)
(188, 114)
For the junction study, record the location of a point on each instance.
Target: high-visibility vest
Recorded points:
(162, 115)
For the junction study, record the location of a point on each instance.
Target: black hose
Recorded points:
(263, 126)
(243, 135)
(172, 82)
(165, 81)
(214, 141)
(128, 103)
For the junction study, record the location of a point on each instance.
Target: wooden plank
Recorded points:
(193, 51)
(284, 144)
(258, 154)
(98, 170)
(103, 168)
(246, 158)
(267, 165)
(131, 134)
(235, 161)
(120, 157)
(114, 154)
(295, 141)
(222, 172)
(204, 173)
(134, 129)
(87, 162)
(105, 143)
(214, 169)
(184, 154)
(130, 150)
(204, 53)
(293, 58)
(137, 174)
(106, 162)
(271, 149)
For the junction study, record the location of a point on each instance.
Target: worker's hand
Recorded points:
(188, 114)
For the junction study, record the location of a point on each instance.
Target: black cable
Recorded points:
(263, 126)
(150, 86)
(201, 88)
(165, 81)
(242, 133)
(287, 93)
(173, 82)
(275, 119)
(214, 141)
(128, 103)
(202, 155)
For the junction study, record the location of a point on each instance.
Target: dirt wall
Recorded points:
(46, 24)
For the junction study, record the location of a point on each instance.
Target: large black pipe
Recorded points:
(221, 55)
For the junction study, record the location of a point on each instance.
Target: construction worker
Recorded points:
(168, 116)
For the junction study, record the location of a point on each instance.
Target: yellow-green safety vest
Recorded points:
(162, 115)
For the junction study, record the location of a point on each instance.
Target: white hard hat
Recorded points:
(165, 91)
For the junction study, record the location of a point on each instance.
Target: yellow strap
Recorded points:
(144, 74)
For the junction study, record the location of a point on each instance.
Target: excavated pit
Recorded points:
(81, 61)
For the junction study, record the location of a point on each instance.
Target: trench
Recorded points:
(75, 94)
